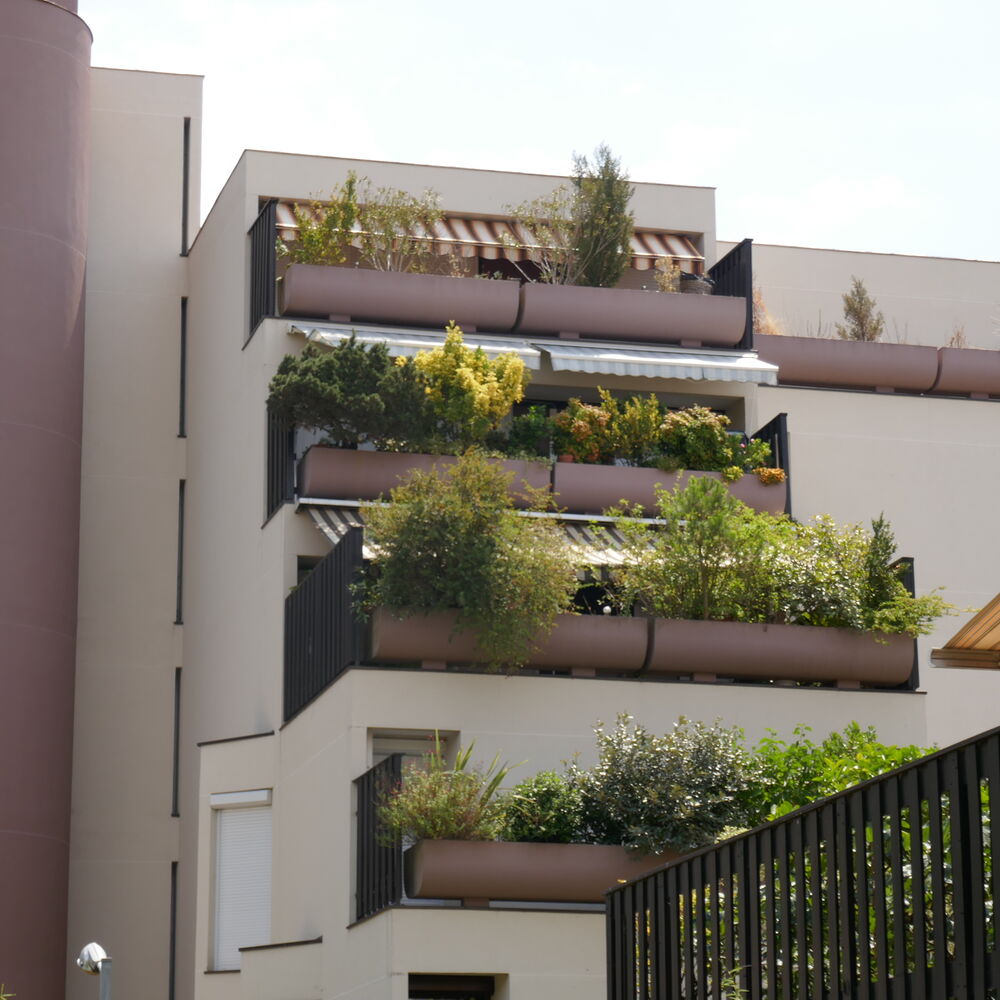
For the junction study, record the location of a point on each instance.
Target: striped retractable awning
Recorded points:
(405, 343)
(659, 362)
(505, 239)
(593, 544)
(976, 644)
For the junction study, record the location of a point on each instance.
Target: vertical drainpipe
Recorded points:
(44, 166)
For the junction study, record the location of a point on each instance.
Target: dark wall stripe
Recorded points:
(179, 614)
(182, 374)
(175, 792)
(186, 186)
(172, 943)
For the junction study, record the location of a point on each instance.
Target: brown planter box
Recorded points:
(591, 489)
(848, 363)
(779, 652)
(627, 314)
(968, 370)
(585, 643)
(344, 474)
(390, 297)
(482, 870)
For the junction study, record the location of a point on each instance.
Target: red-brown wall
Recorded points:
(44, 81)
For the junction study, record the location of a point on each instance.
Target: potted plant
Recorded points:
(650, 447)
(568, 838)
(409, 411)
(451, 546)
(743, 593)
(390, 235)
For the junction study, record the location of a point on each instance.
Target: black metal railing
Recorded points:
(379, 872)
(884, 891)
(323, 636)
(775, 433)
(263, 234)
(280, 463)
(733, 275)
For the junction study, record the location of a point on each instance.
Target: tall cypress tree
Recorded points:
(604, 222)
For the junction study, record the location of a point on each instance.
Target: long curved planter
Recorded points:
(628, 314)
(344, 474)
(434, 300)
(964, 370)
(595, 644)
(483, 870)
(584, 643)
(780, 652)
(849, 364)
(590, 489)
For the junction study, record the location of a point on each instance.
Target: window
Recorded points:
(242, 878)
(413, 744)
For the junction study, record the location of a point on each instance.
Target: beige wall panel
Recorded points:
(124, 838)
(923, 299)
(279, 973)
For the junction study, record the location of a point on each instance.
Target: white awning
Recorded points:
(660, 362)
(405, 343)
(591, 543)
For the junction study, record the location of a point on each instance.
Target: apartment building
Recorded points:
(214, 845)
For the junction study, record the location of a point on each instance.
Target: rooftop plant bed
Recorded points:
(731, 591)
(577, 240)
(416, 413)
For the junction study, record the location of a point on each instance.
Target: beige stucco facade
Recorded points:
(928, 463)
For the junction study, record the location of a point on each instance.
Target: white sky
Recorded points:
(859, 125)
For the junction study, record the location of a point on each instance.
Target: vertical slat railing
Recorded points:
(379, 857)
(733, 275)
(263, 235)
(883, 892)
(323, 636)
(280, 470)
(775, 433)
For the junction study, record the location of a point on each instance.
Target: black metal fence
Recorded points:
(263, 235)
(280, 463)
(775, 433)
(883, 892)
(322, 634)
(733, 275)
(379, 873)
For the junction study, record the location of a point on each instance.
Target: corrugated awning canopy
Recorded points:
(406, 343)
(660, 362)
(503, 238)
(975, 644)
(592, 544)
(600, 359)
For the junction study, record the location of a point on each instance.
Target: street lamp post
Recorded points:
(94, 960)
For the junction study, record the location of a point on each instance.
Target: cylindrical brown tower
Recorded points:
(44, 160)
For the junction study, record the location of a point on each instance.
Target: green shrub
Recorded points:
(436, 802)
(390, 229)
(651, 792)
(542, 809)
(469, 393)
(352, 394)
(790, 774)
(451, 539)
(716, 558)
(713, 560)
(581, 234)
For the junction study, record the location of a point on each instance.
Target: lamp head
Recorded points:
(91, 957)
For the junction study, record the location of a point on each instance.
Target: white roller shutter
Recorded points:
(242, 882)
